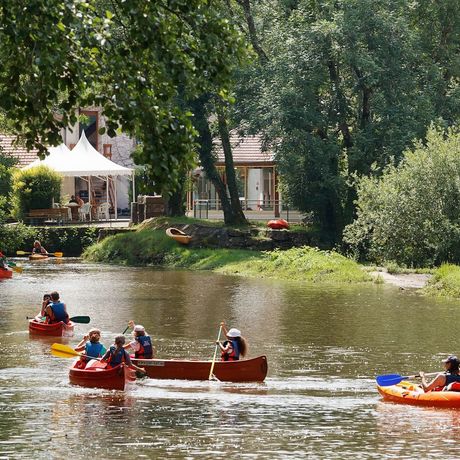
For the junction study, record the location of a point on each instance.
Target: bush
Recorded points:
(411, 214)
(6, 171)
(35, 188)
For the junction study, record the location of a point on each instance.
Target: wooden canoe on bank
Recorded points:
(115, 378)
(246, 370)
(178, 235)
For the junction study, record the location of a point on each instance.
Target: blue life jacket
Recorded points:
(450, 378)
(59, 312)
(234, 355)
(117, 357)
(146, 350)
(94, 350)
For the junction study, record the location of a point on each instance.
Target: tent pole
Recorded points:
(134, 186)
(89, 199)
(116, 204)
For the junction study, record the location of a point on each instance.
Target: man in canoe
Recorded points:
(234, 347)
(444, 379)
(142, 343)
(56, 310)
(91, 346)
(116, 355)
(39, 249)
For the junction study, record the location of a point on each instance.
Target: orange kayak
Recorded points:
(5, 273)
(115, 378)
(245, 370)
(38, 257)
(410, 393)
(60, 329)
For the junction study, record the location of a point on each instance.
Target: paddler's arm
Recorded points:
(438, 381)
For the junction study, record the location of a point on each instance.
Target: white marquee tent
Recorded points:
(84, 161)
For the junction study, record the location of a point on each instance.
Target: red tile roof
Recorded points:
(246, 150)
(17, 151)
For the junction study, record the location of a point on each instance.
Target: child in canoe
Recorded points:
(234, 347)
(91, 346)
(116, 355)
(56, 310)
(142, 343)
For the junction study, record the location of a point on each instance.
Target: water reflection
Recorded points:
(324, 347)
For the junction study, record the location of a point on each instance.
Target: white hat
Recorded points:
(139, 328)
(234, 333)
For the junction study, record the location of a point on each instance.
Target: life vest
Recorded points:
(59, 313)
(116, 357)
(234, 354)
(146, 350)
(94, 350)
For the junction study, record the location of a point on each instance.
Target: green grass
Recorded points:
(445, 282)
(153, 247)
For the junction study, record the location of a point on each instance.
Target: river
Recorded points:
(324, 345)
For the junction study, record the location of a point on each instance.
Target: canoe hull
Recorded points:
(278, 224)
(5, 274)
(247, 370)
(178, 235)
(38, 257)
(116, 378)
(51, 330)
(408, 393)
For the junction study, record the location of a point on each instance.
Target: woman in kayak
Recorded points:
(116, 355)
(234, 347)
(39, 249)
(91, 346)
(443, 379)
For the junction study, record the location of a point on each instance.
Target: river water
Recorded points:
(324, 346)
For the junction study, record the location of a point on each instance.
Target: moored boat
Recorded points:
(115, 378)
(5, 273)
(246, 370)
(60, 329)
(38, 257)
(178, 235)
(278, 224)
(410, 393)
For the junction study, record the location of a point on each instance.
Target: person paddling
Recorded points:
(38, 248)
(91, 346)
(116, 355)
(56, 310)
(142, 343)
(234, 347)
(444, 379)
(3, 262)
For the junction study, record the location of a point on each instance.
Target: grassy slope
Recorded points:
(445, 282)
(153, 247)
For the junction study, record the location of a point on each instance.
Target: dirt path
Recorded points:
(404, 280)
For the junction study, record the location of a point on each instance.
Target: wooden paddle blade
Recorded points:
(56, 254)
(22, 253)
(80, 319)
(17, 269)
(64, 350)
(389, 379)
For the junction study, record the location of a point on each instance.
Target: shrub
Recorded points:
(411, 214)
(35, 188)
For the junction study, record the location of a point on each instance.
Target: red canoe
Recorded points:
(278, 224)
(53, 330)
(5, 273)
(115, 378)
(246, 370)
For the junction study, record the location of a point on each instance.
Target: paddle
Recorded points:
(211, 375)
(55, 254)
(64, 351)
(14, 267)
(394, 379)
(130, 324)
(75, 319)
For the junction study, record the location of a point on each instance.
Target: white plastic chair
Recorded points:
(103, 211)
(84, 213)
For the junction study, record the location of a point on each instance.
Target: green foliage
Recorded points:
(70, 240)
(35, 188)
(6, 171)
(445, 282)
(153, 247)
(131, 58)
(411, 215)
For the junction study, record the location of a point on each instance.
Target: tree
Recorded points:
(410, 214)
(130, 58)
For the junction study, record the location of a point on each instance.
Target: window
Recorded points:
(107, 151)
(89, 124)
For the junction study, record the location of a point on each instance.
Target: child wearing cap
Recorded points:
(142, 343)
(444, 379)
(234, 347)
(91, 346)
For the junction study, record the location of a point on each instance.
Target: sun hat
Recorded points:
(233, 332)
(93, 330)
(451, 359)
(139, 328)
